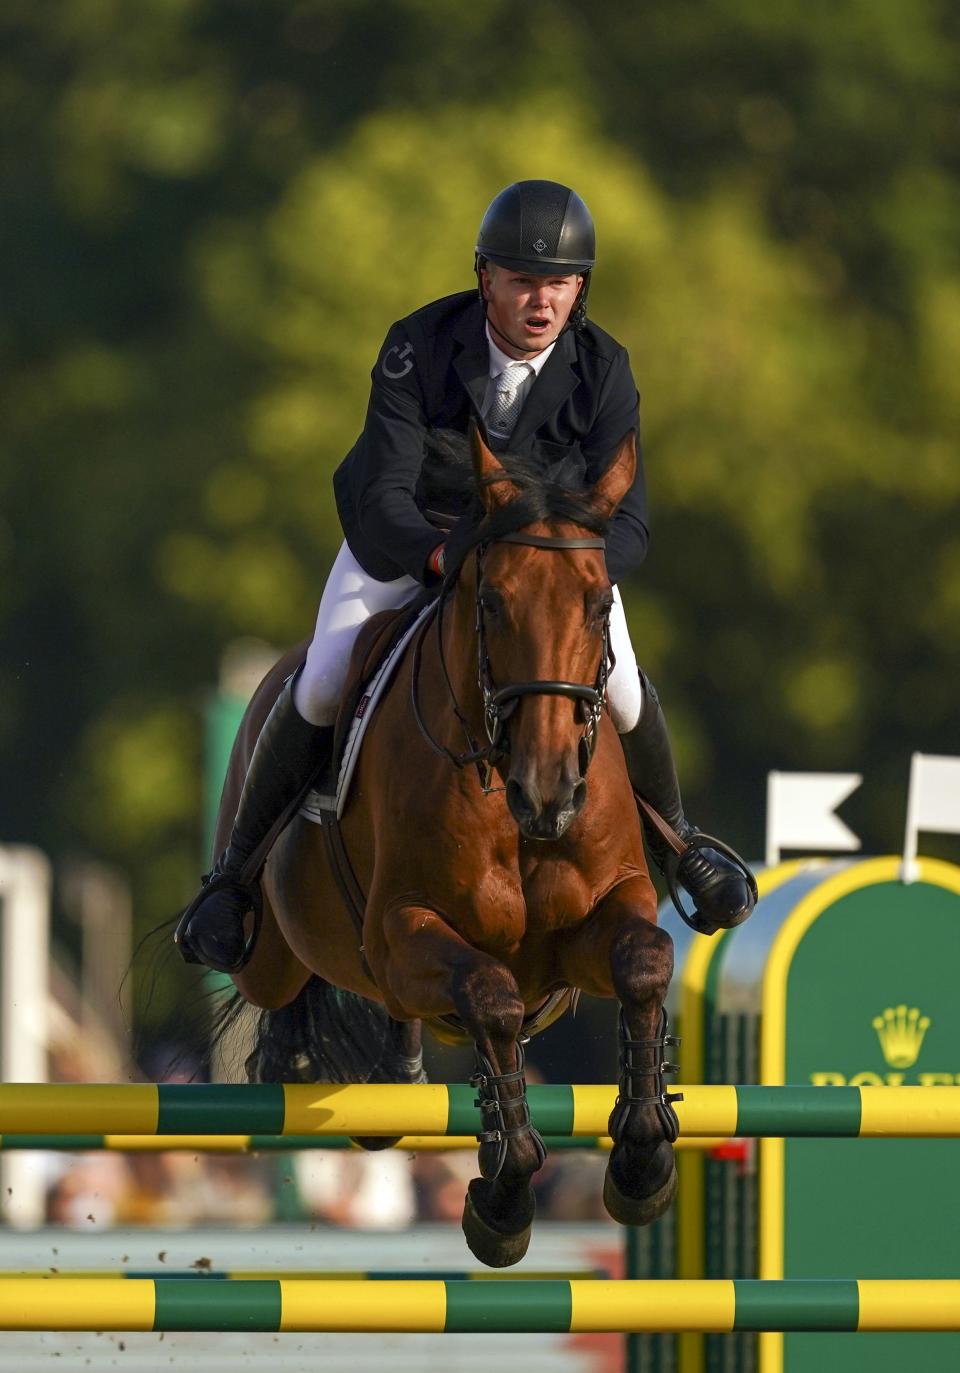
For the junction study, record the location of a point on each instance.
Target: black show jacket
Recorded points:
(432, 373)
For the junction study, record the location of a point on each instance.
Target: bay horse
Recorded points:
(494, 875)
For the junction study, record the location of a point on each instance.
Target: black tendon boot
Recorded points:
(724, 891)
(289, 753)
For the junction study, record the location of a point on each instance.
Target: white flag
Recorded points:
(933, 803)
(935, 793)
(800, 812)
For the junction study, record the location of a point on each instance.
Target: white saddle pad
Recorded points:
(318, 806)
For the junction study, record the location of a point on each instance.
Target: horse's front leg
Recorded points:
(621, 952)
(425, 969)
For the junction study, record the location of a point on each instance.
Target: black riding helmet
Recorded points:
(542, 228)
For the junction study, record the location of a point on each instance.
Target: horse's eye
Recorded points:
(490, 601)
(600, 610)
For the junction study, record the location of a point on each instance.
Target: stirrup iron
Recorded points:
(671, 863)
(211, 882)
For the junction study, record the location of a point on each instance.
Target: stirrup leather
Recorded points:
(631, 1093)
(495, 1133)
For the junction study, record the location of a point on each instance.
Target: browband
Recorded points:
(549, 541)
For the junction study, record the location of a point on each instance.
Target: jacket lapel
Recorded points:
(551, 388)
(472, 362)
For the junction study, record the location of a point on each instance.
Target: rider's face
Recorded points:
(527, 313)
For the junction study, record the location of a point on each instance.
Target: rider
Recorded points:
(550, 385)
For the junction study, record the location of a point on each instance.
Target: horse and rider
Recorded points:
(480, 900)
(521, 353)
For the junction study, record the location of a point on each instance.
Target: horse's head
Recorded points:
(543, 602)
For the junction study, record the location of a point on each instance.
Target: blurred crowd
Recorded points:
(386, 1189)
(389, 1188)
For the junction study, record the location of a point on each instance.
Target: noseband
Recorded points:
(500, 703)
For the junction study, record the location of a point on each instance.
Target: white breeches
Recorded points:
(351, 596)
(349, 599)
(624, 692)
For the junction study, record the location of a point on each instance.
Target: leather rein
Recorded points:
(499, 703)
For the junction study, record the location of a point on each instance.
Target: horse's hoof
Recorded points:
(640, 1210)
(374, 1142)
(496, 1248)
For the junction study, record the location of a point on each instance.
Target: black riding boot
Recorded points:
(289, 753)
(722, 894)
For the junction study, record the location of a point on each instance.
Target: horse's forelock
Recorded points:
(540, 500)
(544, 503)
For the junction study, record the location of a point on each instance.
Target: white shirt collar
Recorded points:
(499, 359)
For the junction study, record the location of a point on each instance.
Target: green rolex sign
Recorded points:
(860, 988)
(844, 976)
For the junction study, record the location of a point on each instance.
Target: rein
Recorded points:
(500, 703)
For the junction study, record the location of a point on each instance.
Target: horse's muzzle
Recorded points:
(542, 820)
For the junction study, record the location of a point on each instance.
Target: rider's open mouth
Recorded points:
(537, 324)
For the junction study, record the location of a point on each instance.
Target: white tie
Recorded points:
(507, 400)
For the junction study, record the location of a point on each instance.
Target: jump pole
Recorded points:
(209, 1275)
(324, 1109)
(257, 1144)
(497, 1305)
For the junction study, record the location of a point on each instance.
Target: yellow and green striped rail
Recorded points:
(198, 1273)
(322, 1110)
(303, 1304)
(256, 1144)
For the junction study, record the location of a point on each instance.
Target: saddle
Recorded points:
(376, 655)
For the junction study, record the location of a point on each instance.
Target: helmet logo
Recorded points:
(539, 246)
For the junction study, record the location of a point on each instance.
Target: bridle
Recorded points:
(499, 703)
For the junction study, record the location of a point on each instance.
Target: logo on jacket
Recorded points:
(395, 373)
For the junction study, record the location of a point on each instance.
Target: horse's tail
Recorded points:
(330, 1035)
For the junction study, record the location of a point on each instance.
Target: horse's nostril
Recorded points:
(518, 801)
(579, 798)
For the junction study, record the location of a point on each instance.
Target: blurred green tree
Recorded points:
(211, 212)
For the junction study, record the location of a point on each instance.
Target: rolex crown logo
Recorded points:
(900, 1031)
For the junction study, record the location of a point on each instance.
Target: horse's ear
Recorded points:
(495, 486)
(618, 478)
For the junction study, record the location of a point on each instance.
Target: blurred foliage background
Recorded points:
(211, 211)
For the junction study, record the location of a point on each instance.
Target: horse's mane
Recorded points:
(448, 464)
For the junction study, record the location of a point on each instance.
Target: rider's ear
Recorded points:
(495, 486)
(618, 478)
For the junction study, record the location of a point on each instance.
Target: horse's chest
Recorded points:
(554, 895)
(537, 898)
